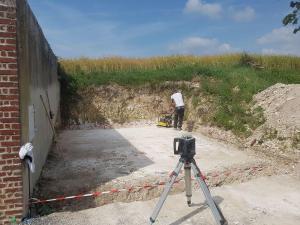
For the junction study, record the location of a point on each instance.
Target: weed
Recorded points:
(13, 220)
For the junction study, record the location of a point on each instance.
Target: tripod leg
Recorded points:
(211, 203)
(166, 192)
(188, 182)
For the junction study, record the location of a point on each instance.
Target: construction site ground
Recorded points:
(250, 188)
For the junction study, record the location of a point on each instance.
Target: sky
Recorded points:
(145, 28)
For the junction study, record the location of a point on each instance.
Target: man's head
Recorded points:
(177, 90)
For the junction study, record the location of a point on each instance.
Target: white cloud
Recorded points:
(213, 10)
(280, 41)
(243, 15)
(202, 46)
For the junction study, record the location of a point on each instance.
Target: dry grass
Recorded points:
(116, 64)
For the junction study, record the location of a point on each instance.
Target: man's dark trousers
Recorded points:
(178, 118)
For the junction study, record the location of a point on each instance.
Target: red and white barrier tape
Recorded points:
(97, 193)
(130, 189)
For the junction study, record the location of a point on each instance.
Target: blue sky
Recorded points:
(143, 28)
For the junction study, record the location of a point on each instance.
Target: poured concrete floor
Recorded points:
(83, 160)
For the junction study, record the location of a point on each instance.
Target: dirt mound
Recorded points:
(281, 104)
(281, 131)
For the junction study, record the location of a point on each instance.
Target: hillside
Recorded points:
(218, 91)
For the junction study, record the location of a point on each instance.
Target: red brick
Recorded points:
(9, 108)
(2, 174)
(16, 126)
(16, 137)
(12, 190)
(9, 97)
(7, 21)
(16, 161)
(7, 48)
(15, 149)
(12, 54)
(13, 212)
(5, 34)
(11, 41)
(15, 200)
(10, 143)
(8, 84)
(13, 90)
(7, 60)
(14, 114)
(12, 66)
(9, 120)
(9, 132)
(14, 167)
(8, 72)
(7, 179)
(9, 156)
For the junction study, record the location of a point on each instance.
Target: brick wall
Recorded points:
(11, 197)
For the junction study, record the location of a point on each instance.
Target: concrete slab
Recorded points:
(83, 160)
(268, 200)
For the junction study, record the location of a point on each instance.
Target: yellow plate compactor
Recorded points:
(165, 120)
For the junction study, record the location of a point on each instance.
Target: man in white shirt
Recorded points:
(177, 100)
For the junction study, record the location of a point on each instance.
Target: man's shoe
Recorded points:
(179, 128)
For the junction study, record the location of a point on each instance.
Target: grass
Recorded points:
(228, 78)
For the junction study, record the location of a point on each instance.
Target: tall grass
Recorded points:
(226, 77)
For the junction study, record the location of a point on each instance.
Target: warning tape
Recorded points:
(130, 189)
(97, 193)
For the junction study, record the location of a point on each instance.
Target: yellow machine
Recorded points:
(165, 120)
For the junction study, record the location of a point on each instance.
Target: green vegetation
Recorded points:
(231, 79)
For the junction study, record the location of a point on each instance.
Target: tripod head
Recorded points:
(185, 147)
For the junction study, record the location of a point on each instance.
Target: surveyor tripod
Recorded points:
(186, 149)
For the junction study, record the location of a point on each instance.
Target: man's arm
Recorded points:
(173, 103)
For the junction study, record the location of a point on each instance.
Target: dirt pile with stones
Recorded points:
(280, 134)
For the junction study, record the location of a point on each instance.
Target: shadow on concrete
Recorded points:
(202, 206)
(85, 161)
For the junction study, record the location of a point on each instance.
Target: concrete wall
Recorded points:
(34, 70)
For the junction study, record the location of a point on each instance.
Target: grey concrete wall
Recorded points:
(37, 66)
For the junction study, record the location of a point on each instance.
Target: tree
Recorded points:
(294, 16)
